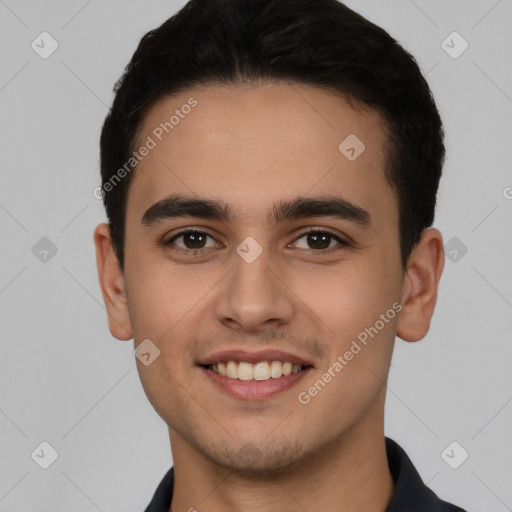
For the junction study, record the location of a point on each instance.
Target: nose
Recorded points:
(255, 296)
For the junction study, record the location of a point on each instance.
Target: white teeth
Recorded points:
(232, 370)
(261, 371)
(276, 369)
(245, 371)
(264, 370)
(287, 368)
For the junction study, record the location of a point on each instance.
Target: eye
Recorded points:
(193, 240)
(320, 240)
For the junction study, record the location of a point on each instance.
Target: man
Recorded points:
(269, 172)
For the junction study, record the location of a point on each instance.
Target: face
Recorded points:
(293, 258)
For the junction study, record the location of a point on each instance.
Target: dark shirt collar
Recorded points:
(410, 494)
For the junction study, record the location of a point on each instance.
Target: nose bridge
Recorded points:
(254, 294)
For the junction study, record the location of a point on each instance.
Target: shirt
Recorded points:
(410, 493)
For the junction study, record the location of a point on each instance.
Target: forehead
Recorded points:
(253, 144)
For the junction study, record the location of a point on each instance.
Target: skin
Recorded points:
(251, 146)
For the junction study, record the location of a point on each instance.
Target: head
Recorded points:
(265, 119)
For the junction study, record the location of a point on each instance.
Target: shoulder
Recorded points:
(410, 493)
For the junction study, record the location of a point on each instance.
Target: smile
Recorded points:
(264, 370)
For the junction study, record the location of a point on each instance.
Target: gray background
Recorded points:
(66, 381)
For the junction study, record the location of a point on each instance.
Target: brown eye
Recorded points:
(317, 240)
(191, 241)
(194, 240)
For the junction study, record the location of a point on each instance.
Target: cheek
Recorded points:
(163, 386)
(349, 298)
(356, 303)
(165, 302)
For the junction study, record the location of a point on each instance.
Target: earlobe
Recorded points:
(112, 284)
(421, 282)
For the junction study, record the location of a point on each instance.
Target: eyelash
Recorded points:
(195, 252)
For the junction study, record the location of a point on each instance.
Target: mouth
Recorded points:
(254, 376)
(262, 371)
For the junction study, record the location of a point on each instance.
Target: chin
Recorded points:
(261, 461)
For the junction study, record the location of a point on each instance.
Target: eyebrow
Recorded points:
(177, 205)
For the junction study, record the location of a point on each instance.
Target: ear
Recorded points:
(112, 284)
(419, 291)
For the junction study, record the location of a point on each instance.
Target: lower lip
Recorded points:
(254, 389)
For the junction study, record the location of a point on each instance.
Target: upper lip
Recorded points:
(254, 357)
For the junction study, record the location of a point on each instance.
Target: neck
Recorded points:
(349, 474)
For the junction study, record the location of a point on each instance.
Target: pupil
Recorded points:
(195, 238)
(324, 243)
